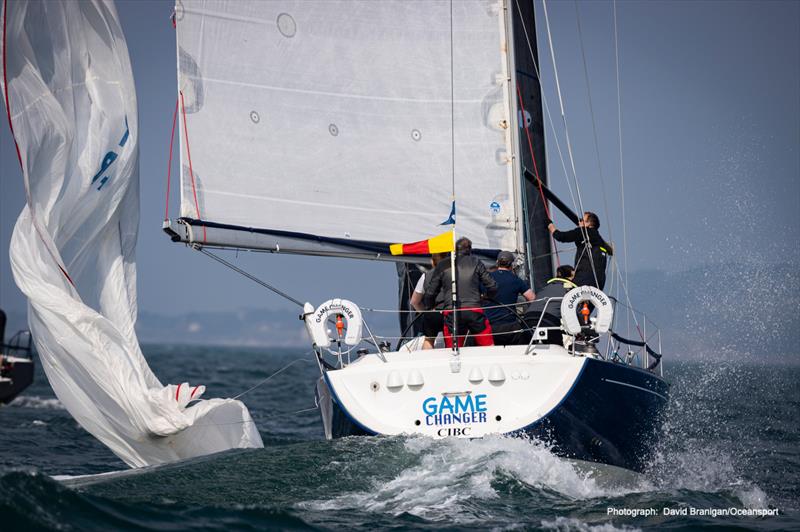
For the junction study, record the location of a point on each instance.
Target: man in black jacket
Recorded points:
(591, 255)
(471, 274)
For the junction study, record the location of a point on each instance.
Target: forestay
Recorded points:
(339, 127)
(70, 95)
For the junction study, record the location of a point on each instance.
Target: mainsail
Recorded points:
(339, 127)
(69, 92)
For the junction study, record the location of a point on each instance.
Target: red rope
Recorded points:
(11, 125)
(191, 172)
(169, 165)
(536, 173)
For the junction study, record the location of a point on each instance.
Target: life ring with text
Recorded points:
(317, 321)
(576, 296)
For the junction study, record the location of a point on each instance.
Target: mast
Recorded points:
(512, 136)
(531, 154)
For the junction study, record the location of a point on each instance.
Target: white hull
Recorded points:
(498, 390)
(588, 408)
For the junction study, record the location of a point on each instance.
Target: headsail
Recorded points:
(70, 96)
(339, 127)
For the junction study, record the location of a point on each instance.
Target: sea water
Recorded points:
(729, 457)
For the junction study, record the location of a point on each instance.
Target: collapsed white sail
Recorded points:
(345, 123)
(70, 94)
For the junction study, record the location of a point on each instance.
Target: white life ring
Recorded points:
(576, 296)
(316, 321)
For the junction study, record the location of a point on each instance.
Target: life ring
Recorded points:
(316, 321)
(576, 296)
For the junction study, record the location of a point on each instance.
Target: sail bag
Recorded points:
(69, 92)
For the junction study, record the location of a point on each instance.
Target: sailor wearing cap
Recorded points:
(501, 310)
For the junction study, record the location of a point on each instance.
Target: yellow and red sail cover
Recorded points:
(438, 244)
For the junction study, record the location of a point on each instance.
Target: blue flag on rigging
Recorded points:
(451, 220)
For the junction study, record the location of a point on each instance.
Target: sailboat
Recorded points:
(339, 128)
(16, 362)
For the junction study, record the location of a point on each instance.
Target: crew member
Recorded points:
(546, 310)
(591, 250)
(471, 274)
(556, 287)
(432, 322)
(501, 311)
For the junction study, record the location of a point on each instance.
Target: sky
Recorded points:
(710, 114)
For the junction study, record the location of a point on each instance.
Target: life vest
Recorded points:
(568, 285)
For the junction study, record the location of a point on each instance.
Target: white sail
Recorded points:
(71, 102)
(345, 124)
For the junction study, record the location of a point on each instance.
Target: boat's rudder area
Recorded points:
(497, 390)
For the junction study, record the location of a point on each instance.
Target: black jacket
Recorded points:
(555, 287)
(471, 274)
(596, 251)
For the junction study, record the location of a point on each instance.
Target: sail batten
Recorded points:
(337, 119)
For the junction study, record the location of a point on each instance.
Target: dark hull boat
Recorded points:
(16, 363)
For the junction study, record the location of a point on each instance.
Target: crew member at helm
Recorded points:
(591, 253)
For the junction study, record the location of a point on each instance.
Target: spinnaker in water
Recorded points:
(71, 103)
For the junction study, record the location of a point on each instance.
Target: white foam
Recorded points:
(570, 524)
(33, 401)
(752, 497)
(452, 471)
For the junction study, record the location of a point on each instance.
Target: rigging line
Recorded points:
(249, 276)
(584, 230)
(269, 416)
(536, 170)
(264, 381)
(561, 104)
(48, 244)
(169, 164)
(452, 109)
(594, 124)
(630, 305)
(191, 171)
(621, 168)
(547, 108)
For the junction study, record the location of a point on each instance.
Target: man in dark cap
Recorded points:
(501, 311)
(471, 275)
(591, 253)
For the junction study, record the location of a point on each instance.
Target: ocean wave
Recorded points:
(34, 401)
(571, 524)
(451, 473)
